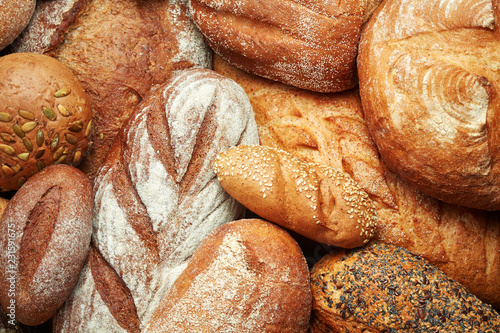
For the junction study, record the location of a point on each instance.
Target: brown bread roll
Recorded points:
(45, 117)
(14, 17)
(156, 198)
(120, 51)
(308, 44)
(385, 288)
(313, 200)
(330, 129)
(434, 65)
(246, 276)
(44, 239)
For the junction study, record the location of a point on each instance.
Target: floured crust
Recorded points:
(434, 65)
(246, 276)
(306, 44)
(157, 197)
(120, 51)
(14, 17)
(330, 129)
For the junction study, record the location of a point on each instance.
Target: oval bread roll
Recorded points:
(428, 79)
(14, 17)
(311, 199)
(246, 276)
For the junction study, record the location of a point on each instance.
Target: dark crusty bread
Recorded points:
(156, 198)
(14, 17)
(308, 44)
(385, 288)
(246, 276)
(120, 50)
(330, 129)
(45, 117)
(428, 79)
(44, 240)
(314, 200)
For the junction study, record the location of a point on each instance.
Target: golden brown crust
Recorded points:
(313, 200)
(45, 117)
(462, 242)
(306, 44)
(46, 231)
(246, 276)
(433, 65)
(383, 287)
(14, 17)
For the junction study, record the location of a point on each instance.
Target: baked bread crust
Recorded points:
(330, 129)
(432, 64)
(246, 276)
(308, 44)
(45, 117)
(156, 198)
(45, 237)
(13, 19)
(385, 288)
(120, 51)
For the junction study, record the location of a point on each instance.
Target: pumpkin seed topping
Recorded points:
(40, 138)
(40, 165)
(62, 92)
(18, 130)
(49, 113)
(5, 117)
(62, 110)
(71, 138)
(8, 171)
(7, 137)
(28, 126)
(7, 149)
(26, 114)
(28, 144)
(39, 153)
(76, 126)
(54, 142)
(23, 156)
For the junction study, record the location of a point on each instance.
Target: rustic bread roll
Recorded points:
(330, 129)
(45, 117)
(14, 17)
(434, 65)
(119, 50)
(247, 276)
(156, 198)
(44, 239)
(313, 200)
(308, 44)
(385, 288)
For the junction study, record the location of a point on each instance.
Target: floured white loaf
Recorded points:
(156, 198)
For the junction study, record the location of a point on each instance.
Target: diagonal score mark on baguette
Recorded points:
(311, 199)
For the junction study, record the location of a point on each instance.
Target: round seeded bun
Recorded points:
(44, 117)
(14, 17)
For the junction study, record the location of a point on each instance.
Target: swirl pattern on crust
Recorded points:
(428, 79)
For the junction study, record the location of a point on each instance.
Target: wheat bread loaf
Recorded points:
(14, 18)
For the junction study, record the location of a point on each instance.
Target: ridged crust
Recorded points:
(157, 197)
(302, 43)
(384, 288)
(434, 64)
(330, 129)
(247, 276)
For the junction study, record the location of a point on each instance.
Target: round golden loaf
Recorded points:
(45, 118)
(428, 79)
(308, 44)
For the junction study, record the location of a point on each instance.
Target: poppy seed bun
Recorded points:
(44, 117)
(13, 19)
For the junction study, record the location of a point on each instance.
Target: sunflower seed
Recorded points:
(40, 138)
(58, 154)
(28, 126)
(77, 158)
(23, 156)
(28, 144)
(18, 130)
(61, 159)
(5, 117)
(7, 149)
(7, 137)
(62, 92)
(8, 171)
(54, 142)
(62, 110)
(26, 114)
(88, 130)
(49, 113)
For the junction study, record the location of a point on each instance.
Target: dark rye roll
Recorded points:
(385, 288)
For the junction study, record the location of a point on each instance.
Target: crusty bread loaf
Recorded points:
(156, 198)
(14, 17)
(330, 129)
(385, 288)
(44, 240)
(311, 199)
(308, 44)
(433, 64)
(246, 276)
(45, 117)
(119, 50)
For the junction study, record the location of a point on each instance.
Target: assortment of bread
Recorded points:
(215, 146)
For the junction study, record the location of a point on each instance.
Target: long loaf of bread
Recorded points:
(313, 200)
(156, 198)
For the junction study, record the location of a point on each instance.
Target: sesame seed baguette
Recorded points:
(313, 200)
